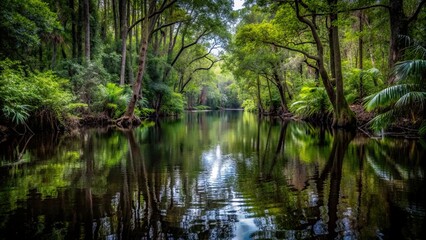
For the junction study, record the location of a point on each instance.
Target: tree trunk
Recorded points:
(73, 29)
(281, 86)
(123, 20)
(332, 51)
(343, 115)
(129, 117)
(87, 31)
(398, 26)
(360, 41)
(114, 16)
(80, 31)
(141, 70)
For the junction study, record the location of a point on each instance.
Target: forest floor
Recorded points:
(362, 116)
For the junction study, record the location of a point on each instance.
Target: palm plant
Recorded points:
(311, 103)
(406, 98)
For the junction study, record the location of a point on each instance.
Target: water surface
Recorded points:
(212, 175)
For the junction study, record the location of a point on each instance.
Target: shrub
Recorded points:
(361, 83)
(311, 102)
(111, 99)
(249, 105)
(42, 95)
(173, 104)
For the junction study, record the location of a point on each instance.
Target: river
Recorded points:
(212, 175)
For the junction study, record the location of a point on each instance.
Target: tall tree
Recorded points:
(399, 25)
(87, 30)
(123, 24)
(151, 13)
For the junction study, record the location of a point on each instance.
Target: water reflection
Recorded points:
(218, 175)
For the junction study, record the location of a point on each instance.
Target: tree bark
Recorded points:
(398, 26)
(80, 31)
(87, 31)
(73, 29)
(114, 15)
(129, 117)
(123, 20)
(343, 116)
(360, 40)
(280, 87)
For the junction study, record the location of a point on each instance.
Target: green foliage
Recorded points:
(173, 104)
(17, 113)
(249, 105)
(85, 80)
(23, 24)
(43, 95)
(111, 61)
(202, 107)
(407, 98)
(112, 99)
(422, 129)
(145, 112)
(311, 102)
(361, 83)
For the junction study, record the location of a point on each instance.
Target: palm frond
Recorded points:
(387, 96)
(411, 99)
(422, 129)
(410, 69)
(383, 120)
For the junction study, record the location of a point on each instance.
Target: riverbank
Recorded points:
(400, 129)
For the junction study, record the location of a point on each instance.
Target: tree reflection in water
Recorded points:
(213, 176)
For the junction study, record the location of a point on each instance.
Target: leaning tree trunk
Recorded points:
(129, 118)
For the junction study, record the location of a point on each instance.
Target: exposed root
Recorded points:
(127, 122)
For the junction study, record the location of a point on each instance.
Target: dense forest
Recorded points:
(68, 63)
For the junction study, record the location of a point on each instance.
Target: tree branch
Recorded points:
(293, 49)
(416, 13)
(205, 32)
(164, 6)
(204, 55)
(347, 10)
(196, 70)
(165, 25)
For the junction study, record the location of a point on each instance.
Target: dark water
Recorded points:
(212, 176)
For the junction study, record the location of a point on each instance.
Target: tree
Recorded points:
(407, 98)
(151, 15)
(291, 34)
(400, 25)
(22, 25)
